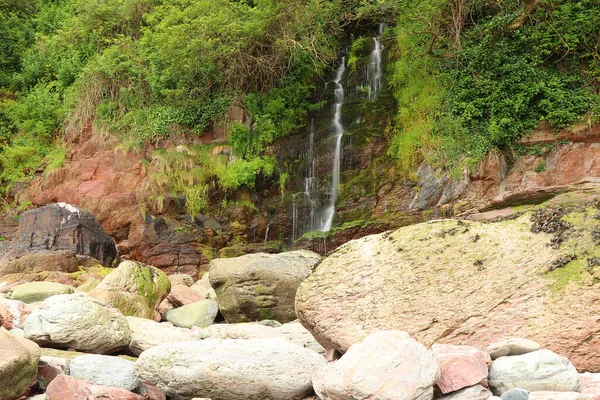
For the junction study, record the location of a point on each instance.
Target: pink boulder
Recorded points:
(590, 384)
(64, 387)
(460, 366)
(182, 295)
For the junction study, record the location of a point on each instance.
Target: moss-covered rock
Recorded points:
(533, 274)
(37, 291)
(135, 289)
(18, 364)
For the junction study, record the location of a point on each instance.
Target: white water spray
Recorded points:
(325, 219)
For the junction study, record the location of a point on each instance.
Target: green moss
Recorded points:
(570, 273)
(266, 313)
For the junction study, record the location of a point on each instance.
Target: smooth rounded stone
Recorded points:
(511, 347)
(104, 370)
(387, 365)
(540, 370)
(559, 396)
(590, 384)
(292, 331)
(146, 333)
(135, 289)
(201, 314)
(260, 286)
(231, 369)
(515, 394)
(66, 387)
(181, 279)
(460, 366)
(18, 364)
(49, 368)
(476, 392)
(203, 288)
(32, 292)
(79, 322)
(39, 261)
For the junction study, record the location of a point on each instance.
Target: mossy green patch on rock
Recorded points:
(134, 288)
(467, 282)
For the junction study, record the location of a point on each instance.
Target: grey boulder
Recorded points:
(231, 369)
(79, 322)
(104, 370)
(540, 370)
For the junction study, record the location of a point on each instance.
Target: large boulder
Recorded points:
(33, 292)
(200, 314)
(135, 289)
(79, 322)
(540, 370)
(62, 226)
(232, 369)
(387, 365)
(260, 286)
(104, 370)
(18, 364)
(146, 334)
(65, 387)
(466, 283)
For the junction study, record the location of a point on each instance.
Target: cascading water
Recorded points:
(313, 208)
(325, 216)
(374, 66)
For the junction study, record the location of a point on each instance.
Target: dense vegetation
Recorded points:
(473, 75)
(145, 69)
(468, 76)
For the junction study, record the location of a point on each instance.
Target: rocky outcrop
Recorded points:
(463, 282)
(387, 365)
(255, 369)
(260, 286)
(135, 289)
(63, 226)
(79, 322)
(18, 364)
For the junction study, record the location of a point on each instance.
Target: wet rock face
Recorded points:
(62, 226)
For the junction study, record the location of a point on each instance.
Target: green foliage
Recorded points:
(477, 77)
(149, 69)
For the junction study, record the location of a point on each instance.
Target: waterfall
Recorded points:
(325, 218)
(374, 66)
(267, 233)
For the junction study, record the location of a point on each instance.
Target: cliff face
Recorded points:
(151, 225)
